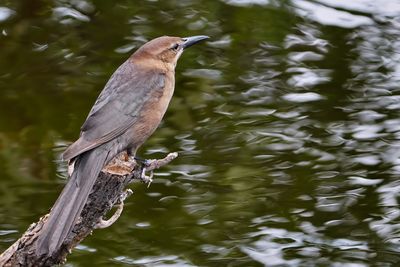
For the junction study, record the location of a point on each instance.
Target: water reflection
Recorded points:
(286, 123)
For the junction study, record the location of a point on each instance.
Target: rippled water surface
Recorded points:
(287, 123)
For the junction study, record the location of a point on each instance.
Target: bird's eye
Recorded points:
(175, 47)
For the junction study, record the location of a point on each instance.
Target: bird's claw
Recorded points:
(144, 163)
(146, 179)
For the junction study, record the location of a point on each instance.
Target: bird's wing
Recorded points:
(116, 108)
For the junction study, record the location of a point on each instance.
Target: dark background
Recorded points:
(286, 121)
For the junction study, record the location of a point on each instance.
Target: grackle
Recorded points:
(125, 114)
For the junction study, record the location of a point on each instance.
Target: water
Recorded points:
(286, 121)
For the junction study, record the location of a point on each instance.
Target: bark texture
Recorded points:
(108, 191)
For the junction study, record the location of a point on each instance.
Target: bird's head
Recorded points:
(166, 49)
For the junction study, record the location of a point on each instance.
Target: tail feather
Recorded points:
(72, 199)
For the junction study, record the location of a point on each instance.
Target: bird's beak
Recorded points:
(189, 41)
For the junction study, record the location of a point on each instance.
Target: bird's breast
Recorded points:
(152, 112)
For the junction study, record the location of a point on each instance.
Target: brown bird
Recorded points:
(125, 114)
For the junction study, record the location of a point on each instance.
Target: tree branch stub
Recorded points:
(108, 190)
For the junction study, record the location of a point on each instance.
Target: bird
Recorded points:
(125, 114)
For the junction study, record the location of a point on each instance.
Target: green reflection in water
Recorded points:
(286, 123)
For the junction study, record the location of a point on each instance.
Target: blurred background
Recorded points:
(286, 121)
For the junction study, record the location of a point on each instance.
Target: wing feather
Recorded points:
(117, 107)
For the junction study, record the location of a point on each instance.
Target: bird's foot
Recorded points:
(147, 179)
(143, 164)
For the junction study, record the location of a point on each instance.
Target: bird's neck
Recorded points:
(149, 62)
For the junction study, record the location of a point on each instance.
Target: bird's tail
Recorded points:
(72, 199)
